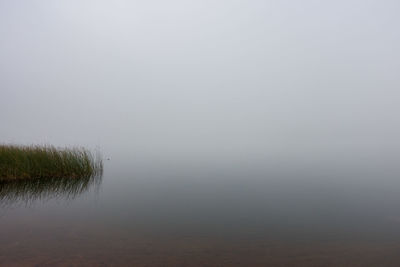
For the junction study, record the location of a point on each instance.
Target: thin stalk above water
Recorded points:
(31, 162)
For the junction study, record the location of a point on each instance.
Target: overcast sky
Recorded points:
(218, 78)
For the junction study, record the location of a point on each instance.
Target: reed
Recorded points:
(29, 162)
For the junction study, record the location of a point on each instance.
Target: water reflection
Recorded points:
(26, 192)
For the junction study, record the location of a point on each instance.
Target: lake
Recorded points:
(171, 213)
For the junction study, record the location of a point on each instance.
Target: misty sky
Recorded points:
(206, 78)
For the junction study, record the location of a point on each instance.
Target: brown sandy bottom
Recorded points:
(44, 241)
(102, 247)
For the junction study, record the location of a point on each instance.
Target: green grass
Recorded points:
(30, 162)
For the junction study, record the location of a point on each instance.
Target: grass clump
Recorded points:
(28, 162)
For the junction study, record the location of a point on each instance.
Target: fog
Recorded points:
(203, 80)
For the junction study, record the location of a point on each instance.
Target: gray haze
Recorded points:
(203, 79)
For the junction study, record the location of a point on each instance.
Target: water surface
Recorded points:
(207, 214)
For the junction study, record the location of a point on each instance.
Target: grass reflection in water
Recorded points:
(30, 190)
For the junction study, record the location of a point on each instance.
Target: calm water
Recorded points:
(207, 214)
